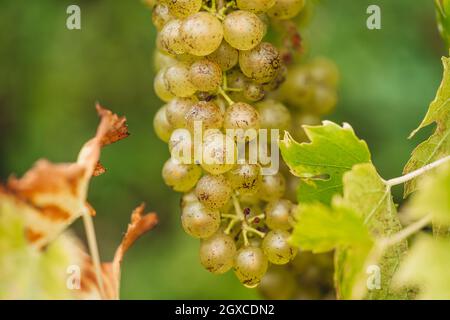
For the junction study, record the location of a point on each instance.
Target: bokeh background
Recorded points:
(51, 77)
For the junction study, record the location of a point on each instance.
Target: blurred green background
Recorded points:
(51, 77)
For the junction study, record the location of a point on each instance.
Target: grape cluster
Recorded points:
(215, 67)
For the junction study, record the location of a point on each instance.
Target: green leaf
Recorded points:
(443, 19)
(426, 267)
(433, 197)
(321, 163)
(366, 193)
(438, 144)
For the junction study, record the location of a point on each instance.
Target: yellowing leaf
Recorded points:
(426, 267)
(438, 144)
(321, 163)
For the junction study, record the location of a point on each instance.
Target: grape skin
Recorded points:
(178, 82)
(162, 127)
(169, 39)
(277, 248)
(250, 265)
(181, 177)
(279, 214)
(278, 284)
(199, 221)
(161, 88)
(202, 34)
(243, 116)
(217, 253)
(183, 8)
(213, 191)
(176, 110)
(272, 187)
(225, 56)
(245, 178)
(205, 75)
(286, 9)
(181, 146)
(255, 6)
(208, 113)
(261, 63)
(243, 30)
(219, 153)
(160, 16)
(274, 115)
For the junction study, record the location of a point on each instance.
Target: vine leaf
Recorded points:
(368, 195)
(438, 144)
(321, 163)
(433, 198)
(426, 268)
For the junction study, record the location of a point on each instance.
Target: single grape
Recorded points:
(183, 8)
(286, 9)
(298, 88)
(206, 114)
(187, 199)
(217, 253)
(160, 16)
(202, 34)
(243, 30)
(181, 146)
(162, 60)
(213, 191)
(274, 115)
(181, 177)
(245, 178)
(225, 56)
(161, 88)
(324, 72)
(279, 214)
(162, 127)
(169, 38)
(243, 116)
(187, 58)
(178, 82)
(254, 91)
(205, 75)
(278, 284)
(277, 248)
(261, 63)
(219, 153)
(176, 111)
(324, 100)
(199, 221)
(272, 187)
(250, 265)
(256, 6)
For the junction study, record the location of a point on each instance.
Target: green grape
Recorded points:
(243, 116)
(202, 34)
(181, 177)
(219, 153)
(256, 6)
(243, 30)
(217, 253)
(162, 127)
(325, 72)
(245, 178)
(298, 88)
(183, 8)
(298, 122)
(181, 146)
(187, 58)
(225, 56)
(178, 82)
(205, 75)
(254, 91)
(176, 110)
(250, 265)
(272, 187)
(161, 88)
(213, 191)
(261, 63)
(274, 115)
(199, 221)
(324, 100)
(208, 113)
(162, 60)
(278, 284)
(277, 248)
(169, 38)
(286, 9)
(279, 214)
(160, 16)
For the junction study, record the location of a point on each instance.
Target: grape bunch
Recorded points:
(216, 72)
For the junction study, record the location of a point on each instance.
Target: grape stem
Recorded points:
(417, 173)
(240, 217)
(224, 94)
